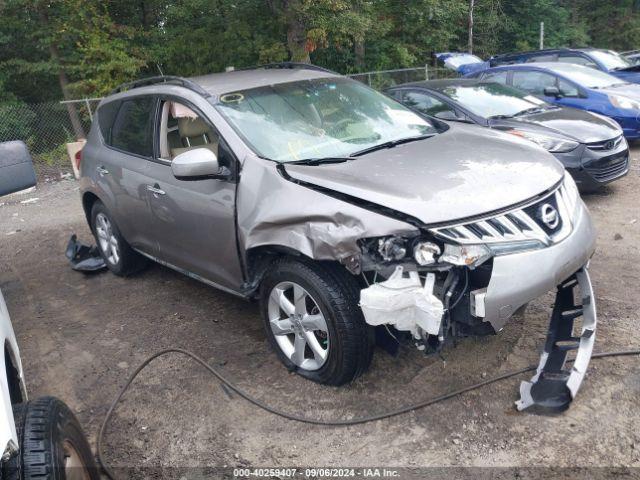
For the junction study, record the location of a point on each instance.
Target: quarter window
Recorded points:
(533, 82)
(132, 129)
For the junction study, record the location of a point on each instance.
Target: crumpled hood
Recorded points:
(579, 125)
(464, 172)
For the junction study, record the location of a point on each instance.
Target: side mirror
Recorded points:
(451, 116)
(552, 92)
(195, 164)
(16, 168)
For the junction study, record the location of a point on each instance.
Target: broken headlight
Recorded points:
(426, 253)
(465, 255)
(392, 248)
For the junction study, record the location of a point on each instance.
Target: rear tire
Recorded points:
(52, 444)
(328, 316)
(120, 258)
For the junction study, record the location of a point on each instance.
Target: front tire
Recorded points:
(120, 258)
(52, 444)
(313, 321)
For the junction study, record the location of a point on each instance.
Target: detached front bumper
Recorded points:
(554, 386)
(519, 278)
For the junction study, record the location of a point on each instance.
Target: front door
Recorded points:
(193, 221)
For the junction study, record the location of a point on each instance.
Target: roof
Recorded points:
(547, 50)
(220, 83)
(440, 84)
(558, 67)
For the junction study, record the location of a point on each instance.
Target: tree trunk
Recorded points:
(359, 53)
(64, 86)
(296, 32)
(63, 80)
(471, 5)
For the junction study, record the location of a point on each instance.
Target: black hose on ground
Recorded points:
(297, 418)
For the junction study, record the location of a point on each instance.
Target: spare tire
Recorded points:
(51, 442)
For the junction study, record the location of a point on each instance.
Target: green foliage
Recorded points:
(17, 119)
(90, 47)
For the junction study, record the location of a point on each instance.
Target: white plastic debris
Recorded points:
(29, 200)
(403, 302)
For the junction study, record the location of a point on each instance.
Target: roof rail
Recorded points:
(292, 66)
(173, 80)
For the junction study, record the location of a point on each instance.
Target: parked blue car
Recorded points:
(575, 86)
(606, 61)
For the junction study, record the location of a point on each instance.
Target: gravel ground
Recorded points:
(81, 336)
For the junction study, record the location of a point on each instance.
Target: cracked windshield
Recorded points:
(318, 119)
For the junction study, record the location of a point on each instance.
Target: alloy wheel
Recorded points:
(299, 326)
(106, 239)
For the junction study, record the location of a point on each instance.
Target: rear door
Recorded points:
(193, 220)
(121, 168)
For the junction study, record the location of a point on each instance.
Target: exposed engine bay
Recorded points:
(426, 291)
(423, 287)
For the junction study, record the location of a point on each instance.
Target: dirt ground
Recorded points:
(81, 336)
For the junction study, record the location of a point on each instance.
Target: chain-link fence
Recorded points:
(47, 127)
(381, 79)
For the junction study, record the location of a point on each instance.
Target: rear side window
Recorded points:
(495, 77)
(578, 60)
(424, 103)
(132, 129)
(533, 82)
(542, 58)
(106, 115)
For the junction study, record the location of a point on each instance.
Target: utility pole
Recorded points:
(471, 5)
(541, 35)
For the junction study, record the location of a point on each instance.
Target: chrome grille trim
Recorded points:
(605, 145)
(512, 226)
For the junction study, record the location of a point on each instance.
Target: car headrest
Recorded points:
(192, 127)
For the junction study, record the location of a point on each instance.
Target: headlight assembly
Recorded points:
(551, 144)
(620, 101)
(465, 255)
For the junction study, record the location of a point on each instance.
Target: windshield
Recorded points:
(320, 118)
(492, 99)
(610, 60)
(587, 77)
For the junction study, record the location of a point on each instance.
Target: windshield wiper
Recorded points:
(390, 144)
(319, 161)
(499, 117)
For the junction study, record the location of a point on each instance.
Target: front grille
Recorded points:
(546, 220)
(608, 169)
(604, 145)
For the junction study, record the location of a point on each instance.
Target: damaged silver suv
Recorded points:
(341, 210)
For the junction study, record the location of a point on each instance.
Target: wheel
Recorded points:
(51, 443)
(313, 321)
(120, 258)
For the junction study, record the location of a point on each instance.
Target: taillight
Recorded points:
(78, 159)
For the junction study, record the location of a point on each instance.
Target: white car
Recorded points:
(40, 438)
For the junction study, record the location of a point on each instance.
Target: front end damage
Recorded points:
(470, 277)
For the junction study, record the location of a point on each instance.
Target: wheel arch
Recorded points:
(259, 258)
(88, 200)
(17, 390)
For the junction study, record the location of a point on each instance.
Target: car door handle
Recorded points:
(155, 189)
(102, 171)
